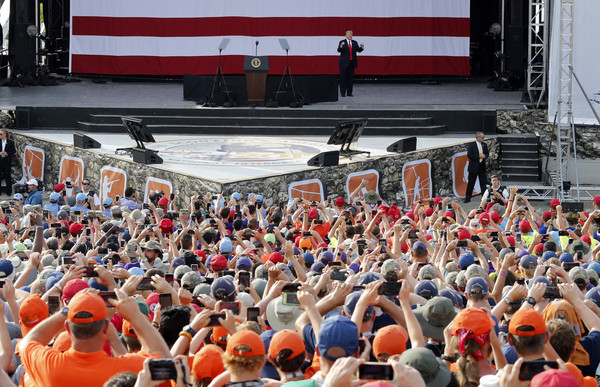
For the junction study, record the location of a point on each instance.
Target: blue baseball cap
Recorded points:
(528, 262)
(6, 268)
(477, 285)
(337, 331)
(326, 256)
(107, 202)
(243, 263)
(564, 257)
(354, 266)
(309, 259)
(226, 246)
(595, 266)
(317, 267)
(465, 260)
(54, 196)
(594, 295)
(367, 278)
(222, 287)
(237, 196)
(537, 279)
(419, 247)
(426, 289)
(350, 305)
(81, 197)
(18, 196)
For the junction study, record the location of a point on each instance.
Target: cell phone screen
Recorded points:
(213, 320)
(253, 313)
(244, 278)
(165, 300)
(390, 289)
(146, 284)
(169, 277)
(53, 304)
(375, 371)
(531, 368)
(233, 306)
(162, 369)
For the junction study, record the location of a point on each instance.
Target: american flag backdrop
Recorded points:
(158, 37)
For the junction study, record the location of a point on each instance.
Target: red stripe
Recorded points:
(233, 64)
(272, 26)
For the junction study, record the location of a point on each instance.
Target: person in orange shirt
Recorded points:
(85, 363)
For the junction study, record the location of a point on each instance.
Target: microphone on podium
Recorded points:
(256, 50)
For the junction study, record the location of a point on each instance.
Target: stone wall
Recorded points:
(274, 189)
(536, 121)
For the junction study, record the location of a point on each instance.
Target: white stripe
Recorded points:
(244, 45)
(271, 8)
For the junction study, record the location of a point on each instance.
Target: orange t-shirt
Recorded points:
(48, 367)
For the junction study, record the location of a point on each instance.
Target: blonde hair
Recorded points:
(238, 364)
(467, 368)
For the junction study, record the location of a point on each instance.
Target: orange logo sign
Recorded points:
(307, 189)
(460, 175)
(71, 169)
(416, 180)
(355, 180)
(112, 182)
(33, 163)
(157, 185)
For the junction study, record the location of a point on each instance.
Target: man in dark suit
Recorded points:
(7, 151)
(477, 152)
(348, 49)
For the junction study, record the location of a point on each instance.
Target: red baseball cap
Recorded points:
(539, 248)
(554, 203)
(463, 233)
(404, 247)
(163, 202)
(495, 216)
(511, 240)
(484, 218)
(524, 226)
(448, 214)
(586, 239)
(166, 226)
(411, 215)
(75, 227)
(72, 288)
(546, 215)
(340, 201)
(554, 378)
(200, 254)
(437, 199)
(596, 199)
(218, 263)
(313, 213)
(276, 257)
(428, 211)
(59, 187)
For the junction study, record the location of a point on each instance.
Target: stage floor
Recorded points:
(463, 94)
(228, 159)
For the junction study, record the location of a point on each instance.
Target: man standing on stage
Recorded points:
(477, 152)
(348, 49)
(7, 151)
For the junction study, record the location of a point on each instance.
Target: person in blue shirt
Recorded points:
(35, 197)
(106, 203)
(131, 199)
(80, 201)
(53, 207)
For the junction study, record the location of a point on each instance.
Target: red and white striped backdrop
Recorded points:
(158, 37)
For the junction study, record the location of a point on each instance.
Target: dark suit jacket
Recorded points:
(345, 53)
(9, 149)
(473, 155)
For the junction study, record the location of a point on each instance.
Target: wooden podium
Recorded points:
(256, 68)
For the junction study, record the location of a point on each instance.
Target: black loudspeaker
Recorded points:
(22, 118)
(325, 159)
(572, 207)
(408, 144)
(85, 142)
(489, 123)
(145, 156)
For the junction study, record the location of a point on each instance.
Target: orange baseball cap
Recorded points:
(127, 328)
(85, 308)
(245, 338)
(286, 339)
(391, 340)
(305, 243)
(63, 342)
(473, 319)
(207, 362)
(218, 333)
(33, 311)
(527, 322)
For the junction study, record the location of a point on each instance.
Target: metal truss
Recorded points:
(537, 51)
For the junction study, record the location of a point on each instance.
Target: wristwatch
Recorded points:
(531, 300)
(450, 359)
(65, 311)
(189, 330)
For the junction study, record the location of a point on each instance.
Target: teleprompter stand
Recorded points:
(295, 100)
(345, 133)
(219, 85)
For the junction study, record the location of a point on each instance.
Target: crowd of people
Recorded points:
(237, 291)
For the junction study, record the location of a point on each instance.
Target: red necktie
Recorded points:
(350, 48)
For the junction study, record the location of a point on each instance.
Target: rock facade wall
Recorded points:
(274, 189)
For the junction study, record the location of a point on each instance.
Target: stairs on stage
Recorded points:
(269, 122)
(520, 161)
